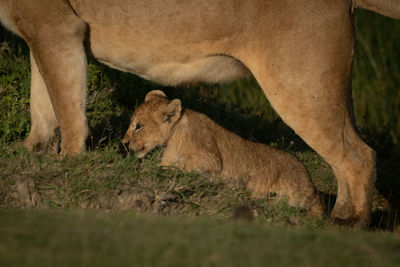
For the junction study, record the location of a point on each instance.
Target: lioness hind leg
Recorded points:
(55, 36)
(326, 127)
(306, 81)
(43, 119)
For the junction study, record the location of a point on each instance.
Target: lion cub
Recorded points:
(194, 142)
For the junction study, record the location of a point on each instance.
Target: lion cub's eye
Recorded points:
(138, 126)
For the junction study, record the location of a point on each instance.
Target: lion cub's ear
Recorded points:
(172, 112)
(154, 93)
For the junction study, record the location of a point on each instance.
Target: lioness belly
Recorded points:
(210, 69)
(165, 60)
(167, 43)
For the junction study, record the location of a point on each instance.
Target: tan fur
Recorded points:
(300, 52)
(196, 143)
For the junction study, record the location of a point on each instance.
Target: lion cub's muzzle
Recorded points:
(136, 147)
(127, 138)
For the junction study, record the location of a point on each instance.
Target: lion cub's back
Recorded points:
(244, 159)
(261, 167)
(239, 156)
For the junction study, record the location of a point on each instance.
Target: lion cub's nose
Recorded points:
(126, 138)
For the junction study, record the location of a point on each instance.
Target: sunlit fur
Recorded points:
(195, 143)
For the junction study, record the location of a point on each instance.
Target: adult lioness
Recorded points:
(194, 142)
(300, 52)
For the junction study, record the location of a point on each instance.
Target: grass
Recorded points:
(107, 179)
(124, 239)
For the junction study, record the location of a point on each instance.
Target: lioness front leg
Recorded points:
(43, 118)
(55, 36)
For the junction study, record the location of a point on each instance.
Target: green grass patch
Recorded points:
(110, 180)
(39, 238)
